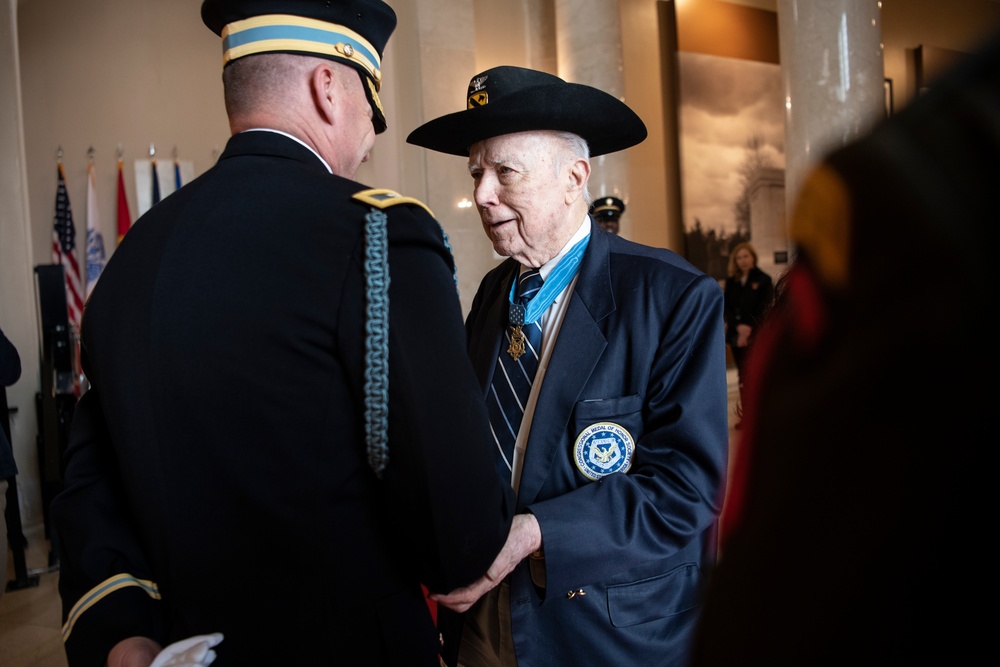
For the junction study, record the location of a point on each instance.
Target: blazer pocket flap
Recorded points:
(658, 597)
(626, 411)
(607, 409)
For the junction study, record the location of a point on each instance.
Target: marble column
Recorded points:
(17, 296)
(589, 51)
(833, 73)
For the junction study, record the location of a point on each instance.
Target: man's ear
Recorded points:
(322, 84)
(577, 176)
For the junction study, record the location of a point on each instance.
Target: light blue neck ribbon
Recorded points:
(558, 279)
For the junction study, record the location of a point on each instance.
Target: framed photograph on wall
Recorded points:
(732, 135)
(731, 132)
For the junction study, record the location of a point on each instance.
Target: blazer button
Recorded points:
(578, 592)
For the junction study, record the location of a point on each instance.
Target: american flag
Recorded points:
(64, 252)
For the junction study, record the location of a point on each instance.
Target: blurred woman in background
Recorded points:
(749, 292)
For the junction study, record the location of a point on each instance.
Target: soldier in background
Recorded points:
(608, 212)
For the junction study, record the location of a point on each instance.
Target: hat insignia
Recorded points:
(477, 83)
(480, 99)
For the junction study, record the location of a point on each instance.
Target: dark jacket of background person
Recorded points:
(857, 525)
(217, 475)
(10, 372)
(746, 303)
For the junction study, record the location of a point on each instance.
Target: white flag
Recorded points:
(95, 240)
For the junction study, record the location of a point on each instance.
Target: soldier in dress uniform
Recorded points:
(608, 213)
(277, 450)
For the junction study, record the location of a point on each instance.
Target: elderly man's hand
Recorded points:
(524, 538)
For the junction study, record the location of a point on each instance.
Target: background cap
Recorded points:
(607, 208)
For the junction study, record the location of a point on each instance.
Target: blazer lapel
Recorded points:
(577, 351)
(491, 326)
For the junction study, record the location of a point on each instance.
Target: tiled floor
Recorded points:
(30, 617)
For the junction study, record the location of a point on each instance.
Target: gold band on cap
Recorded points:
(373, 90)
(284, 32)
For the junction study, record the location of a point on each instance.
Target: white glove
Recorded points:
(191, 652)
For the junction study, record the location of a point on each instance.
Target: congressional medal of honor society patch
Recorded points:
(603, 448)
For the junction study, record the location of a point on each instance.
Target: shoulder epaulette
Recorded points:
(382, 198)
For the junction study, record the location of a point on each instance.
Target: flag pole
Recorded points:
(156, 181)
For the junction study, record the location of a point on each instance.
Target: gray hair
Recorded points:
(575, 147)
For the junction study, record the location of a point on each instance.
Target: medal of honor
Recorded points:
(516, 348)
(516, 318)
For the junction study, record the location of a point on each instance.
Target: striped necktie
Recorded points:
(515, 371)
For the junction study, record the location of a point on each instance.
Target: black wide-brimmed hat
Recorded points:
(353, 32)
(607, 208)
(508, 99)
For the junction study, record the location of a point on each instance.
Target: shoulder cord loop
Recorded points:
(447, 244)
(377, 338)
(377, 341)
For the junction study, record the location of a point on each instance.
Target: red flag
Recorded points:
(64, 252)
(124, 217)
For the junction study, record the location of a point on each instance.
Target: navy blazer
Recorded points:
(641, 346)
(220, 452)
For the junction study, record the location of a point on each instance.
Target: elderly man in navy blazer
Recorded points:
(617, 445)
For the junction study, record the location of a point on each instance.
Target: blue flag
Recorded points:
(156, 185)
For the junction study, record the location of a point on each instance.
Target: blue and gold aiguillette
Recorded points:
(603, 448)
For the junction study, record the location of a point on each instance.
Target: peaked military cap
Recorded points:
(508, 99)
(607, 208)
(353, 32)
